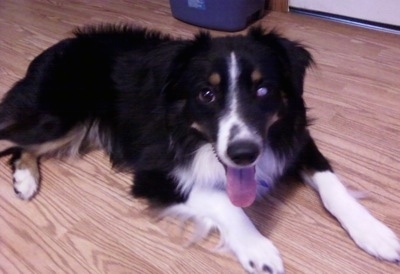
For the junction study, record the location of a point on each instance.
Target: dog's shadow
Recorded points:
(266, 212)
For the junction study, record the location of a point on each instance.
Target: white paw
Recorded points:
(257, 254)
(25, 184)
(375, 237)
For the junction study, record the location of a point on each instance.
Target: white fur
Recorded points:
(204, 171)
(212, 209)
(25, 184)
(368, 233)
(232, 118)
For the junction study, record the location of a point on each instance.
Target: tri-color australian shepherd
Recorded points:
(206, 125)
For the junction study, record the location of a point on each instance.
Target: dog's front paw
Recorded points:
(25, 184)
(375, 237)
(257, 254)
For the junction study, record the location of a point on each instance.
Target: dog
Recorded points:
(204, 124)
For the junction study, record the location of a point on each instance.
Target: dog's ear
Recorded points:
(295, 58)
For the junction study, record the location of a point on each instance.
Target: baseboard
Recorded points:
(348, 20)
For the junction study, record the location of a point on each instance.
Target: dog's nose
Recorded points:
(243, 152)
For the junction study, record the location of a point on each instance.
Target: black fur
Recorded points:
(140, 88)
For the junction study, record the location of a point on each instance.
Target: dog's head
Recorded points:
(242, 94)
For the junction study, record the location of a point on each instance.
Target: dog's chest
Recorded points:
(204, 170)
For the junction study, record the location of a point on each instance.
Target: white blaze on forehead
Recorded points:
(231, 118)
(233, 72)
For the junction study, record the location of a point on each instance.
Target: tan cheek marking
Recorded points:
(214, 79)
(256, 76)
(272, 120)
(197, 127)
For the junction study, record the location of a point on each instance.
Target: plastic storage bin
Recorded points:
(227, 15)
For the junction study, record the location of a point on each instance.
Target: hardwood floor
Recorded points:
(84, 221)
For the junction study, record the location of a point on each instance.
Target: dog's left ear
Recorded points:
(295, 58)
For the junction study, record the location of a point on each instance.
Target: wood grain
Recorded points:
(84, 221)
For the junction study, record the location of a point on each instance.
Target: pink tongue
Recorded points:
(241, 186)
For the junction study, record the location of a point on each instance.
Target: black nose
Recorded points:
(243, 152)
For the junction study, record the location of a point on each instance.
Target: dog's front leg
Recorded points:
(368, 233)
(211, 207)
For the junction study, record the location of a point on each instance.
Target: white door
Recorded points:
(380, 11)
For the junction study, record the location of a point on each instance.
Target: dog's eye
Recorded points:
(206, 96)
(262, 91)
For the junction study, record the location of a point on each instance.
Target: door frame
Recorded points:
(277, 5)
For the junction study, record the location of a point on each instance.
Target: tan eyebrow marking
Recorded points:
(214, 79)
(256, 76)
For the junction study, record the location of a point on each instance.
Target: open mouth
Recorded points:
(241, 185)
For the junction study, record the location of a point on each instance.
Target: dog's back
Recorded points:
(75, 79)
